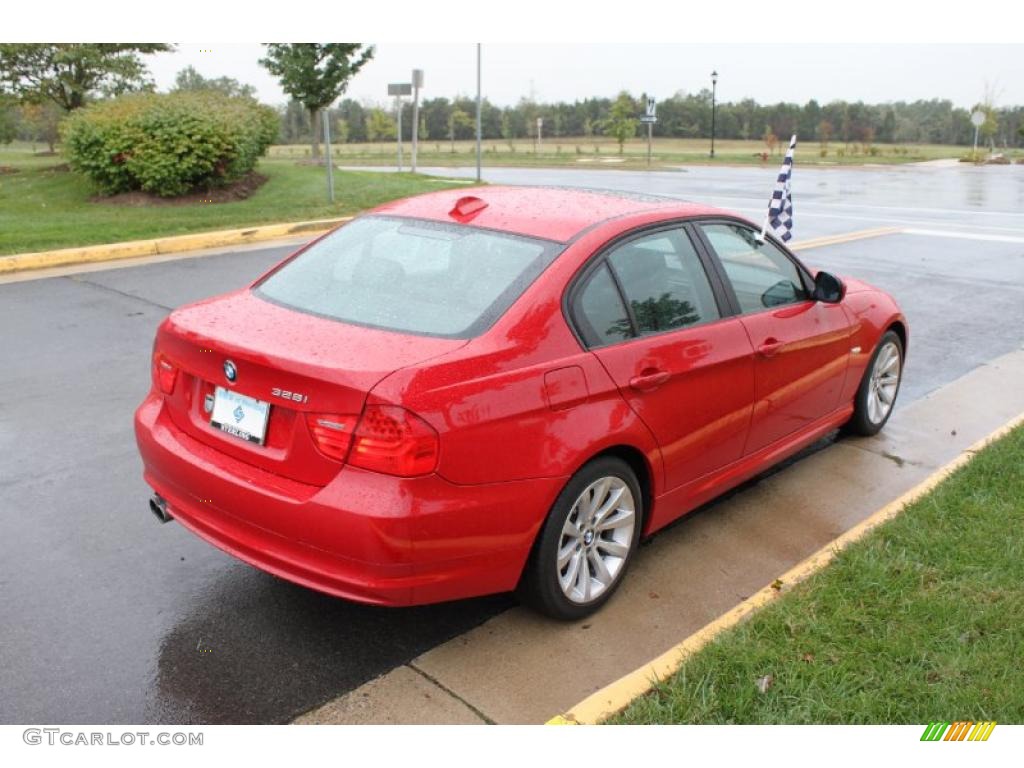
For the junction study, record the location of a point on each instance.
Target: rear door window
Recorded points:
(664, 282)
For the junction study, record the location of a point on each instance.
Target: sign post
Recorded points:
(327, 153)
(977, 120)
(650, 117)
(398, 90)
(540, 131)
(417, 83)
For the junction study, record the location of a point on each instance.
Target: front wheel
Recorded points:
(581, 555)
(879, 387)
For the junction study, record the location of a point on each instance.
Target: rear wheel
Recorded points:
(581, 555)
(879, 387)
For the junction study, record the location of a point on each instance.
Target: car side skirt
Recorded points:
(674, 504)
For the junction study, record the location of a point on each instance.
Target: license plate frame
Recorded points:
(240, 416)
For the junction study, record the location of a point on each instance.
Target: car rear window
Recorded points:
(412, 276)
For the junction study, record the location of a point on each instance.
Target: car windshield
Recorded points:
(411, 276)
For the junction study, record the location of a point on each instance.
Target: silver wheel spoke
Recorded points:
(600, 571)
(566, 553)
(598, 494)
(620, 520)
(613, 548)
(569, 580)
(609, 506)
(583, 578)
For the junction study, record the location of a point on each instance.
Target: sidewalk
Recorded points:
(521, 668)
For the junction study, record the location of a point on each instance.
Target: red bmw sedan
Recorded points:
(499, 389)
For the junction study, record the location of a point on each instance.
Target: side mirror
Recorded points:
(828, 288)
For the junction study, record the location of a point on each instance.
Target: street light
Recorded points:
(714, 86)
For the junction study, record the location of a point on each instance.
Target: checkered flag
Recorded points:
(780, 208)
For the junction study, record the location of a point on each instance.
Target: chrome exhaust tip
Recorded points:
(158, 506)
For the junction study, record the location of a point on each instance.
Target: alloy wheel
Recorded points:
(596, 539)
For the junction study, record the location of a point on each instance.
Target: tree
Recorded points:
(621, 122)
(315, 74)
(8, 124)
(189, 79)
(40, 122)
(824, 133)
(457, 121)
(69, 74)
(380, 126)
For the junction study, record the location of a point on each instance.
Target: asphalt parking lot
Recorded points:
(110, 617)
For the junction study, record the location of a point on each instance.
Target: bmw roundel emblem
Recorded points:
(229, 370)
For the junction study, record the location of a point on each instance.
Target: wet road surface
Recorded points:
(109, 617)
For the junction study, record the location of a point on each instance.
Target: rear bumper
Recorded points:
(364, 536)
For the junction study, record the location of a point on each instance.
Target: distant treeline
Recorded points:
(684, 115)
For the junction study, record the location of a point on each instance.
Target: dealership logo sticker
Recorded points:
(962, 730)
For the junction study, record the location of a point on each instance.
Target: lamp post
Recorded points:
(714, 87)
(479, 130)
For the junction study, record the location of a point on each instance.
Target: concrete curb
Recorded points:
(617, 696)
(162, 245)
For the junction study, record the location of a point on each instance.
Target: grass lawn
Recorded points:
(44, 207)
(921, 620)
(603, 152)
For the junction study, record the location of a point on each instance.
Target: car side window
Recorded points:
(664, 282)
(761, 275)
(600, 314)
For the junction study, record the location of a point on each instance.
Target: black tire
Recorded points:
(861, 423)
(540, 586)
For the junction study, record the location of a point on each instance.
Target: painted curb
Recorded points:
(616, 696)
(114, 251)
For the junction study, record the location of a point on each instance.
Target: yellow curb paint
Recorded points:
(615, 697)
(848, 237)
(163, 245)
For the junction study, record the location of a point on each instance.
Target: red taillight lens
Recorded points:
(332, 433)
(166, 373)
(394, 441)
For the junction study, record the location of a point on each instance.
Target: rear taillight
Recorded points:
(332, 433)
(394, 441)
(165, 372)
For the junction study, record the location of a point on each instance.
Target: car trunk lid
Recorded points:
(296, 362)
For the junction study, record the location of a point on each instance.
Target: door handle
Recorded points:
(769, 347)
(649, 379)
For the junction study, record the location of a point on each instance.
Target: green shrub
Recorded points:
(167, 144)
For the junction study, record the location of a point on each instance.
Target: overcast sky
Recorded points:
(767, 73)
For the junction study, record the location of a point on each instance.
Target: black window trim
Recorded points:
(724, 301)
(696, 224)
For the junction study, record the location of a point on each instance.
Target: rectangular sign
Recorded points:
(399, 89)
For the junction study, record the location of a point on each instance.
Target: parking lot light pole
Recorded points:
(478, 113)
(714, 87)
